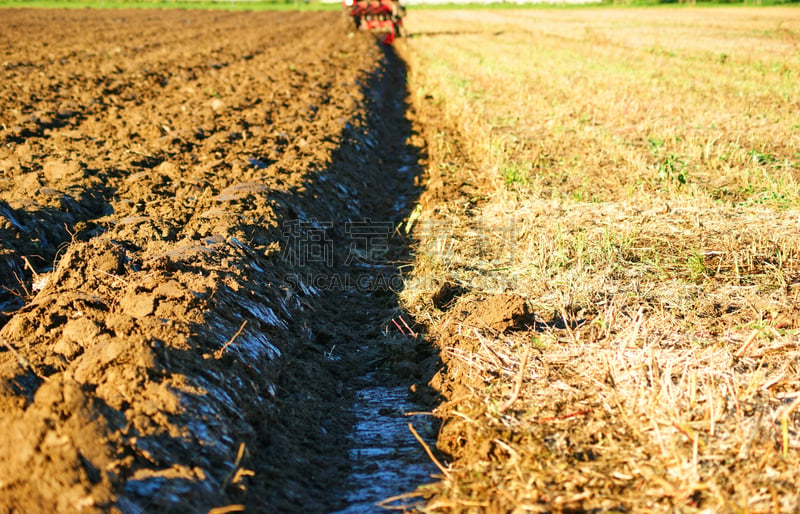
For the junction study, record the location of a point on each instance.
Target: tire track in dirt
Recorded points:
(173, 359)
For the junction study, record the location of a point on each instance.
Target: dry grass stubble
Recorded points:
(634, 180)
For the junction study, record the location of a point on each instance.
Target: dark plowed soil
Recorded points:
(186, 293)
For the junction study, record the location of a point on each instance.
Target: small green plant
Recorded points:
(515, 175)
(460, 83)
(672, 168)
(696, 265)
(762, 158)
(537, 343)
(773, 198)
(655, 145)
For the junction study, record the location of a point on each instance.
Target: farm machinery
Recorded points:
(378, 16)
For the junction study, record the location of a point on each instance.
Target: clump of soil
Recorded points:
(501, 313)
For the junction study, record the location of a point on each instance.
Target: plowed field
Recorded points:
(163, 345)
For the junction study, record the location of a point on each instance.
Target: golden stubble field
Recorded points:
(608, 257)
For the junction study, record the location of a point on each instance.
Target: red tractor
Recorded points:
(377, 15)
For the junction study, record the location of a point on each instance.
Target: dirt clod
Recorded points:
(502, 313)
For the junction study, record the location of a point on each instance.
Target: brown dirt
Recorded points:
(159, 351)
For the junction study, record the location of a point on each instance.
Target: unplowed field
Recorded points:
(162, 346)
(608, 256)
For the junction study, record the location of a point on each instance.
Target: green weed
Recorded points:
(673, 169)
(762, 158)
(696, 266)
(515, 175)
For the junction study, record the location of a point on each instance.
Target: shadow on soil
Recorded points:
(31, 238)
(343, 241)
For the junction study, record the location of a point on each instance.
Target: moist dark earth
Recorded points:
(186, 298)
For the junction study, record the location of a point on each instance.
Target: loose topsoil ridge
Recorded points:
(165, 345)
